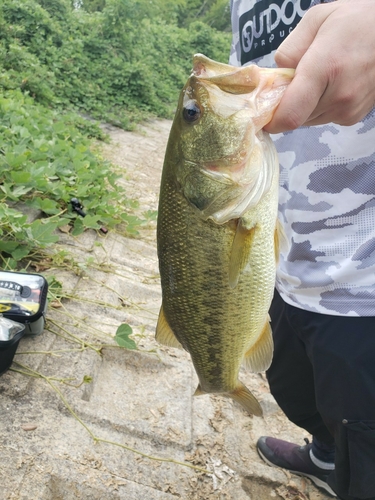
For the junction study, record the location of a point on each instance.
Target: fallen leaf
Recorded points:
(56, 304)
(65, 229)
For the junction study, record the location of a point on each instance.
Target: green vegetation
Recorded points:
(117, 64)
(118, 61)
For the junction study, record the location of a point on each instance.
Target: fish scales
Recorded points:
(217, 261)
(202, 321)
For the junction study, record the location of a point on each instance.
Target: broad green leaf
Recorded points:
(91, 221)
(14, 161)
(8, 246)
(43, 232)
(20, 177)
(122, 337)
(48, 206)
(20, 253)
(19, 191)
(78, 227)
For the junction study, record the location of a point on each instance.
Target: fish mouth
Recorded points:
(241, 79)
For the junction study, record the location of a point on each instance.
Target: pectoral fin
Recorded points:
(281, 241)
(164, 334)
(242, 242)
(258, 358)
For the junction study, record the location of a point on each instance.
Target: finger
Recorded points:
(298, 103)
(290, 52)
(309, 84)
(342, 115)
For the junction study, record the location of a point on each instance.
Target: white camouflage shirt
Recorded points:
(327, 184)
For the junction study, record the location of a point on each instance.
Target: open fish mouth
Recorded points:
(241, 79)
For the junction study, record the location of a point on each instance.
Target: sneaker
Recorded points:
(296, 459)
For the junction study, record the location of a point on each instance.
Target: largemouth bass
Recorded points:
(216, 229)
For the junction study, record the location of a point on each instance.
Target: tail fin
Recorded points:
(241, 395)
(246, 399)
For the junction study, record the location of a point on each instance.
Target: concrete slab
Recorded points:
(89, 420)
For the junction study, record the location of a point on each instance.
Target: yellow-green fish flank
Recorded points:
(217, 223)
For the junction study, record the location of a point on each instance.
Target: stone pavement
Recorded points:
(60, 439)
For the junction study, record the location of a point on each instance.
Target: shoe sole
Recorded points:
(318, 482)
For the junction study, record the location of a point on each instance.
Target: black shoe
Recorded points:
(296, 459)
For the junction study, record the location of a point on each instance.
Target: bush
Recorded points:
(116, 63)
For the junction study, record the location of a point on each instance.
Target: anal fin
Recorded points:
(164, 334)
(258, 358)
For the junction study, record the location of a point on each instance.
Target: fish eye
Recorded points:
(191, 111)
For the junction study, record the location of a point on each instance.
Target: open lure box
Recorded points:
(23, 304)
(23, 298)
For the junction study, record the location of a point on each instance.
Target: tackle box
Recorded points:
(23, 298)
(11, 333)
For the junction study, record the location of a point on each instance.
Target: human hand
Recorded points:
(333, 52)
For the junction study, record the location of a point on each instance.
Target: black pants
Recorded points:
(323, 378)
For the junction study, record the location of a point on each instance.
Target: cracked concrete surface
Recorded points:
(99, 440)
